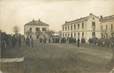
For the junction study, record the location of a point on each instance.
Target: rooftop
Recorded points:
(78, 20)
(107, 18)
(37, 22)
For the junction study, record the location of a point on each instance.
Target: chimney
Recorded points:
(65, 21)
(90, 14)
(101, 17)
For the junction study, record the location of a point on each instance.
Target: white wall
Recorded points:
(27, 28)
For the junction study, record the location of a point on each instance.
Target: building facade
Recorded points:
(36, 29)
(107, 26)
(88, 27)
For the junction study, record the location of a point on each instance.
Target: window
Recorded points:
(74, 26)
(93, 25)
(102, 35)
(82, 25)
(30, 29)
(37, 36)
(78, 34)
(37, 29)
(68, 27)
(93, 34)
(106, 27)
(106, 35)
(82, 34)
(43, 29)
(68, 35)
(78, 26)
(63, 28)
(71, 27)
(65, 34)
(111, 27)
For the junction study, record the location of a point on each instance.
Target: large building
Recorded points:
(36, 29)
(88, 27)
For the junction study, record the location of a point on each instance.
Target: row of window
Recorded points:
(79, 34)
(73, 34)
(106, 27)
(38, 29)
(106, 35)
(73, 26)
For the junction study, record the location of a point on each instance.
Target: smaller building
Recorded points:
(36, 29)
(107, 26)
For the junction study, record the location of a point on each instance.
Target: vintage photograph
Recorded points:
(56, 36)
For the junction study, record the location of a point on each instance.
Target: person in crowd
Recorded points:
(19, 41)
(27, 41)
(78, 42)
(82, 40)
(31, 42)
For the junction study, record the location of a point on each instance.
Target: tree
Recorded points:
(50, 32)
(16, 29)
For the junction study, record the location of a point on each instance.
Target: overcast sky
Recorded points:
(52, 12)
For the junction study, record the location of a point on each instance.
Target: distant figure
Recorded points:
(19, 40)
(27, 41)
(31, 42)
(78, 42)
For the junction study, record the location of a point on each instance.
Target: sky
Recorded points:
(53, 12)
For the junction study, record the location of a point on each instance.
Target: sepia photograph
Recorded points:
(56, 36)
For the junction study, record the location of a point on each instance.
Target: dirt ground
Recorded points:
(62, 58)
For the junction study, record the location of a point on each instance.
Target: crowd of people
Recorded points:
(9, 41)
(29, 41)
(66, 40)
(16, 41)
(104, 42)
